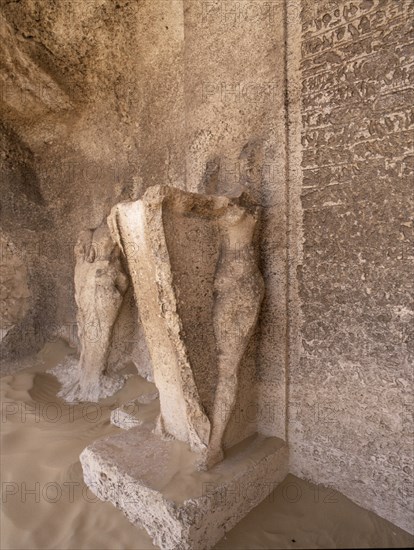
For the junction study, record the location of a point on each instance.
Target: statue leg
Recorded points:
(97, 335)
(223, 408)
(235, 317)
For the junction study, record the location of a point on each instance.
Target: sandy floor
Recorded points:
(45, 503)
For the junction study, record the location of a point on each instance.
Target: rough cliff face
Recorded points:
(14, 291)
(103, 99)
(79, 133)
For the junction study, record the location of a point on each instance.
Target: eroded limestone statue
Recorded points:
(100, 285)
(199, 290)
(238, 291)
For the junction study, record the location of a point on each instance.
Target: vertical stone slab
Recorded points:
(138, 227)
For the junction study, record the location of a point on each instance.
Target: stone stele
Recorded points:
(193, 264)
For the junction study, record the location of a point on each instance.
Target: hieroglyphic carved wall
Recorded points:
(350, 408)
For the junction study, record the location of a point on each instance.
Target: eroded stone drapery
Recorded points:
(100, 285)
(199, 290)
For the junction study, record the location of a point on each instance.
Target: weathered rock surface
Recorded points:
(137, 412)
(101, 99)
(80, 132)
(14, 291)
(155, 484)
(351, 421)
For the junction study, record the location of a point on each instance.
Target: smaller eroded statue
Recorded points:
(100, 286)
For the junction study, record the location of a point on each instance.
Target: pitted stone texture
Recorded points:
(76, 116)
(235, 120)
(126, 417)
(14, 291)
(193, 264)
(351, 393)
(80, 144)
(154, 483)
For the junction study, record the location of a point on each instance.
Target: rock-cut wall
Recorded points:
(102, 99)
(80, 131)
(350, 396)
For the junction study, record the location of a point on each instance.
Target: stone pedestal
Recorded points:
(155, 483)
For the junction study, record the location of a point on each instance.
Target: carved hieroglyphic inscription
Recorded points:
(356, 279)
(358, 95)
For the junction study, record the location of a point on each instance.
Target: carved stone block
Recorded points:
(155, 484)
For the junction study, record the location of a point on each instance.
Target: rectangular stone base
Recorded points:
(155, 483)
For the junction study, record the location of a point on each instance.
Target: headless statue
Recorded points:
(152, 234)
(238, 290)
(100, 285)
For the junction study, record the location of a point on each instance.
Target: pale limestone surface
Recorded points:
(154, 482)
(137, 412)
(235, 138)
(238, 292)
(352, 356)
(194, 270)
(100, 285)
(193, 264)
(125, 417)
